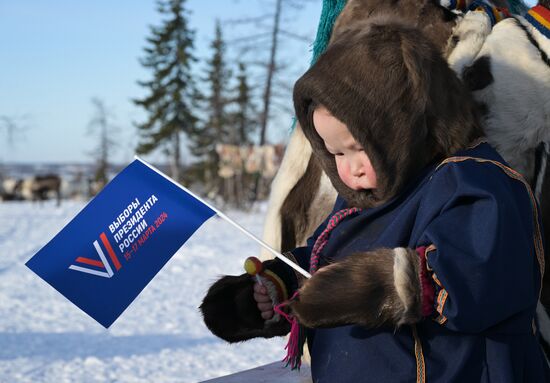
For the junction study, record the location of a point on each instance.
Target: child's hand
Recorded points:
(264, 303)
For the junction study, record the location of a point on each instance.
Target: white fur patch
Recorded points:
(471, 32)
(401, 274)
(518, 99)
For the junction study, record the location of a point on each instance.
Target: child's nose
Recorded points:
(357, 169)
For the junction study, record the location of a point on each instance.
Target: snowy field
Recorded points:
(159, 338)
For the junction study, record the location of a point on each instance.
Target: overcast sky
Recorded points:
(58, 54)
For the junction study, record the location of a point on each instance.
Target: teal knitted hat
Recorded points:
(329, 13)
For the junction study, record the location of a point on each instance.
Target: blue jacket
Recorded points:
(480, 223)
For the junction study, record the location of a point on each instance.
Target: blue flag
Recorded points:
(110, 251)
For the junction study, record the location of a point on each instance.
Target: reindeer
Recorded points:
(39, 188)
(11, 189)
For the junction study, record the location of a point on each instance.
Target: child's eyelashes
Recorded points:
(341, 154)
(356, 149)
(334, 154)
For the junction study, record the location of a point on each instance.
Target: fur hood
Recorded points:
(398, 98)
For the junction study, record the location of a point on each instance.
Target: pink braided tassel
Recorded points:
(295, 346)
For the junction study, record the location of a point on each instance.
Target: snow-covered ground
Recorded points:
(159, 338)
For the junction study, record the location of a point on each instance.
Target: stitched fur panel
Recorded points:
(373, 289)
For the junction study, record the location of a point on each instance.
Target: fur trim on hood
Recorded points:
(399, 99)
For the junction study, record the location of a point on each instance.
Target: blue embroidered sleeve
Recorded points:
(486, 249)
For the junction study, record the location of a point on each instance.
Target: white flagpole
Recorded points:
(235, 224)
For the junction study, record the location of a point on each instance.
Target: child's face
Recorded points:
(353, 164)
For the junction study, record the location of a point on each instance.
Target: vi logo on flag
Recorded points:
(102, 267)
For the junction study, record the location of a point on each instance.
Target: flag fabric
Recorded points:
(110, 251)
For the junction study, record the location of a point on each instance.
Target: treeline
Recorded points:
(201, 112)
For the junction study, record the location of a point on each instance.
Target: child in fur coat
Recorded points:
(429, 267)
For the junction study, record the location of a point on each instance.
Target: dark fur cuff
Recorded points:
(375, 288)
(231, 313)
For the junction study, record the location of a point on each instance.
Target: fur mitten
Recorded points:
(381, 287)
(231, 313)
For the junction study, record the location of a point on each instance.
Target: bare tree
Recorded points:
(271, 31)
(13, 129)
(271, 34)
(102, 128)
(215, 127)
